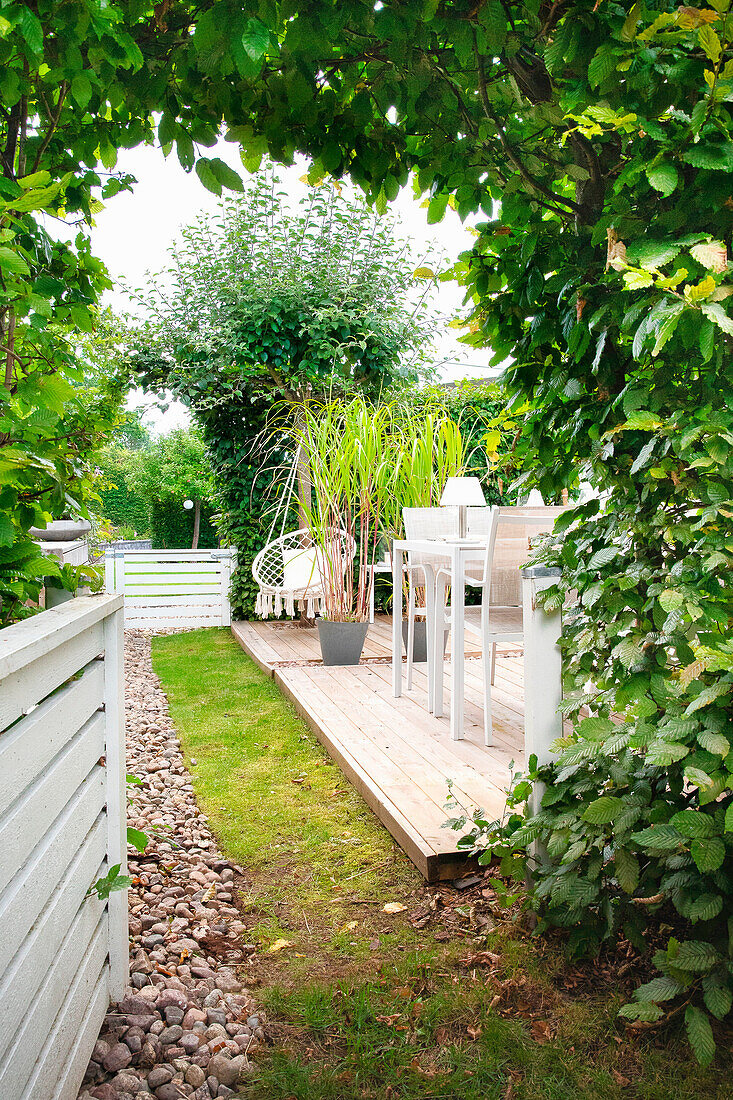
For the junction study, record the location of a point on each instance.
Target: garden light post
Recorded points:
(188, 505)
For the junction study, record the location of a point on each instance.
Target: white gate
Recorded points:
(170, 588)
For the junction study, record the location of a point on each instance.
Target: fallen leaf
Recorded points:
(541, 1031)
(394, 907)
(349, 926)
(621, 1081)
(374, 945)
(278, 945)
(474, 1032)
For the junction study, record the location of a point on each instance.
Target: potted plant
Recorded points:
(349, 453)
(428, 448)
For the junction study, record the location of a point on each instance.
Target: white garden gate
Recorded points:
(63, 953)
(171, 588)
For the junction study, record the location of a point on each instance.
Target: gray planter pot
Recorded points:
(341, 643)
(420, 640)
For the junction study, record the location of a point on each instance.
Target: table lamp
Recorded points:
(465, 492)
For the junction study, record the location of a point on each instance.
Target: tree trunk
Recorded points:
(196, 525)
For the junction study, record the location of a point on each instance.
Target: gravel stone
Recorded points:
(160, 1075)
(180, 994)
(118, 1057)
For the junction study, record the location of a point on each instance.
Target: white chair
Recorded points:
(425, 523)
(509, 533)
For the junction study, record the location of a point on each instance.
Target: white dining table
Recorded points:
(457, 553)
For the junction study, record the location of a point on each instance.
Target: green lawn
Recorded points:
(366, 1005)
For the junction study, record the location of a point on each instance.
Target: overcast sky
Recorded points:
(135, 230)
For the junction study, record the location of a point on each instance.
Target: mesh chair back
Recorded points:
(513, 530)
(430, 523)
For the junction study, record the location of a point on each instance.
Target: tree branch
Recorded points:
(54, 121)
(536, 184)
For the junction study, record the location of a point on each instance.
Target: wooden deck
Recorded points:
(397, 755)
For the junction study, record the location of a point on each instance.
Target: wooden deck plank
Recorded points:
(394, 752)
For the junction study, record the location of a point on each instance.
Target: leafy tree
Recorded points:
(292, 305)
(174, 466)
(76, 84)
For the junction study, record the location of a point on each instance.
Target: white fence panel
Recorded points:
(63, 954)
(169, 588)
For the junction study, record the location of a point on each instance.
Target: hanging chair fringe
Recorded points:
(274, 603)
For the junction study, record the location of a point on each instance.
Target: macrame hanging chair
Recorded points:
(289, 571)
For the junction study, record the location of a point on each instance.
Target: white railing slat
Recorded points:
(62, 825)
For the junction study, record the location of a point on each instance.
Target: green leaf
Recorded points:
(602, 64)
(225, 175)
(641, 1010)
(708, 854)
(81, 89)
(709, 42)
(662, 988)
(662, 838)
(31, 28)
(256, 39)
(705, 907)
(708, 695)
(137, 839)
(715, 313)
(493, 19)
(661, 753)
(207, 176)
(12, 262)
(695, 956)
(595, 728)
(707, 340)
(627, 869)
(628, 652)
(36, 179)
(714, 742)
(729, 819)
(7, 530)
(602, 557)
(671, 599)
(700, 1034)
(436, 208)
(693, 823)
(718, 997)
(663, 177)
(603, 810)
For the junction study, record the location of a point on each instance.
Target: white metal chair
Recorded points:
(290, 574)
(509, 532)
(425, 523)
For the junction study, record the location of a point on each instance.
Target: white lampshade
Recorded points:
(188, 505)
(534, 500)
(465, 491)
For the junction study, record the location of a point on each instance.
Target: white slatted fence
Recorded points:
(63, 955)
(170, 588)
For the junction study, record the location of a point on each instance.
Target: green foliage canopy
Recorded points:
(292, 303)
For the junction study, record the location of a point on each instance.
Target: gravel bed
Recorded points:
(186, 1027)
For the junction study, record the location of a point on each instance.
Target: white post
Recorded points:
(114, 708)
(226, 559)
(542, 670)
(109, 572)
